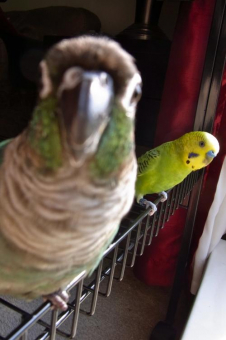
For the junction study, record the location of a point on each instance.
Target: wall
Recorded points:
(115, 15)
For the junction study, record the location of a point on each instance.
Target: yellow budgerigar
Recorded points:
(167, 165)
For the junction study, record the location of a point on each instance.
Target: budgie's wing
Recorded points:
(148, 161)
(3, 145)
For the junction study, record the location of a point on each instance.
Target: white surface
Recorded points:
(207, 320)
(214, 229)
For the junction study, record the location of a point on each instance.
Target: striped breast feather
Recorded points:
(147, 160)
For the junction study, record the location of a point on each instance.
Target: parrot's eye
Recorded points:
(132, 95)
(136, 94)
(202, 144)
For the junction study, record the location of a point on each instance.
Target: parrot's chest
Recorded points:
(65, 226)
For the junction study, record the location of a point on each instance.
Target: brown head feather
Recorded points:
(89, 54)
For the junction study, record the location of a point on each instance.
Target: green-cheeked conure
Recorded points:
(69, 178)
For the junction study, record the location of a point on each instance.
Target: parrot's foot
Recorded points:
(148, 204)
(163, 195)
(58, 299)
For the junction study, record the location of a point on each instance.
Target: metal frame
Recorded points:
(136, 231)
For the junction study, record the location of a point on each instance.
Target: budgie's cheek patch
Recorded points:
(193, 155)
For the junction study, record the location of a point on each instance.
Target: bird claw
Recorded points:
(58, 299)
(163, 195)
(147, 205)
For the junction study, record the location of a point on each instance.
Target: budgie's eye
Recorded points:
(136, 94)
(202, 144)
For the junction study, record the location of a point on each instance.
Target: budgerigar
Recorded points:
(69, 178)
(169, 164)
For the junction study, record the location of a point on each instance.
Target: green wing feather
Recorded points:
(148, 161)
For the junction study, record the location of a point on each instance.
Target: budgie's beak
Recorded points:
(210, 155)
(86, 101)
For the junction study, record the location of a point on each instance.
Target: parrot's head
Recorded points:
(199, 149)
(92, 85)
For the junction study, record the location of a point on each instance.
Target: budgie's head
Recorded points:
(199, 149)
(93, 86)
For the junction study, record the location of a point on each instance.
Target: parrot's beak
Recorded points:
(94, 107)
(86, 102)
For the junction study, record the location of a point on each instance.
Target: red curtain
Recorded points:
(176, 117)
